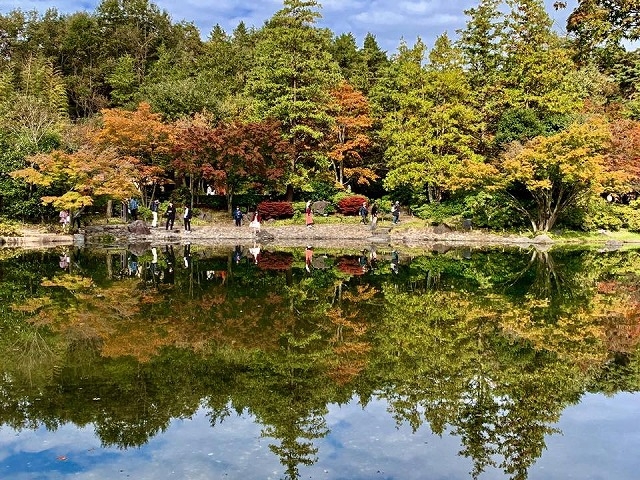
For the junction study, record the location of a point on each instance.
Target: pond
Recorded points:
(248, 362)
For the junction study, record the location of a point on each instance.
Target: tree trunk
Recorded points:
(229, 202)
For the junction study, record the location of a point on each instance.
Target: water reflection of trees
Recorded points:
(490, 347)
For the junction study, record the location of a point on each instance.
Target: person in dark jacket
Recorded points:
(133, 208)
(170, 213)
(76, 217)
(237, 216)
(364, 213)
(395, 211)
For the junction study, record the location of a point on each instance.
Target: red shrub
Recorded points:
(351, 266)
(351, 205)
(269, 209)
(280, 261)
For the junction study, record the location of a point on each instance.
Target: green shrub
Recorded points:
(491, 210)
(384, 204)
(600, 214)
(340, 196)
(299, 207)
(633, 220)
(444, 212)
(10, 228)
(324, 190)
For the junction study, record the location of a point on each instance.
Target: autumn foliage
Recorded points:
(349, 138)
(350, 265)
(623, 158)
(351, 205)
(270, 209)
(278, 261)
(232, 156)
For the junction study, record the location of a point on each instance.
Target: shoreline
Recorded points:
(324, 235)
(294, 235)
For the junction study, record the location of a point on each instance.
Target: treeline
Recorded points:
(512, 124)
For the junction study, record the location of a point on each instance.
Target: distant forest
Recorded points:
(511, 123)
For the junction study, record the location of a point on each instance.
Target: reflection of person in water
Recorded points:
(308, 258)
(155, 272)
(133, 265)
(187, 255)
(237, 254)
(373, 257)
(65, 261)
(170, 258)
(395, 260)
(364, 263)
(255, 251)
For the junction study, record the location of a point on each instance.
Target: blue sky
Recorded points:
(388, 20)
(597, 440)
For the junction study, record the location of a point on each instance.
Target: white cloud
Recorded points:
(417, 7)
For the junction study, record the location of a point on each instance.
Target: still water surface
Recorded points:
(194, 362)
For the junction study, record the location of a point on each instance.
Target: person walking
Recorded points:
(186, 218)
(395, 212)
(308, 214)
(364, 212)
(237, 216)
(170, 213)
(155, 205)
(133, 208)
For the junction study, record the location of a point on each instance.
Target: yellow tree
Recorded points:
(143, 135)
(556, 172)
(349, 137)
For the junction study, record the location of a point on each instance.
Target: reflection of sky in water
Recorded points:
(599, 440)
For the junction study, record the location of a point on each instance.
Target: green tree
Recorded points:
(81, 65)
(291, 79)
(429, 126)
(536, 64)
(350, 60)
(33, 117)
(375, 59)
(402, 106)
(480, 44)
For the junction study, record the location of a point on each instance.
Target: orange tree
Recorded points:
(143, 135)
(623, 158)
(349, 137)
